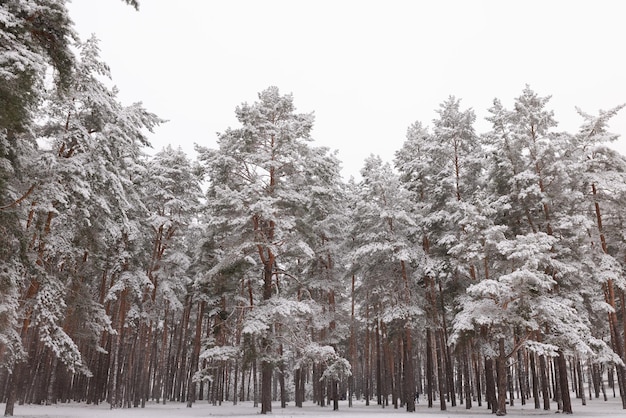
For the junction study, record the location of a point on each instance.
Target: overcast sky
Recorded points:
(368, 69)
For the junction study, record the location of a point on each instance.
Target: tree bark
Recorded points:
(10, 405)
(409, 373)
(441, 379)
(581, 381)
(535, 380)
(429, 367)
(502, 378)
(466, 376)
(564, 384)
(490, 386)
(609, 295)
(267, 368)
(545, 388)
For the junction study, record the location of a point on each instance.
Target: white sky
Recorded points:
(368, 69)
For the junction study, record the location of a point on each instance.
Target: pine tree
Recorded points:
(257, 195)
(385, 257)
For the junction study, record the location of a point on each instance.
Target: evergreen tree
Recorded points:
(385, 256)
(258, 194)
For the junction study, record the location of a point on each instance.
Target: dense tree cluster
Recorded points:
(477, 268)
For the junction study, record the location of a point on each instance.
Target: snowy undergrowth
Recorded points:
(594, 408)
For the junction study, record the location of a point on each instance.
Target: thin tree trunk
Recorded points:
(441, 379)
(195, 357)
(379, 372)
(543, 373)
(477, 378)
(466, 376)
(502, 378)
(563, 383)
(10, 400)
(267, 369)
(535, 380)
(581, 381)
(409, 372)
(490, 386)
(430, 373)
(521, 374)
(609, 294)
(353, 355)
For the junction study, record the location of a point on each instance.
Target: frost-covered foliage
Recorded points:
(335, 366)
(384, 250)
(33, 36)
(48, 315)
(69, 193)
(10, 342)
(539, 255)
(112, 262)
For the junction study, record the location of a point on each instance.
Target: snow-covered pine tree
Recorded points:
(80, 214)
(171, 192)
(385, 257)
(257, 198)
(442, 170)
(602, 185)
(33, 36)
(321, 279)
(534, 273)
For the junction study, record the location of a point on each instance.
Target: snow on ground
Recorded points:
(594, 408)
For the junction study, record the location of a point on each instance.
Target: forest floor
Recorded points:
(594, 408)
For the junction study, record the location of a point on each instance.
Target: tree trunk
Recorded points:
(581, 381)
(267, 368)
(609, 295)
(195, 357)
(564, 385)
(430, 373)
(545, 392)
(522, 375)
(502, 378)
(441, 379)
(297, 382)
(535, 380)
(367, 354)
(477, 375)
(409, 373)
(466, 376)
(10, 405)
(335, 394)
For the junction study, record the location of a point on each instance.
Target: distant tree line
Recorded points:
(474, 269)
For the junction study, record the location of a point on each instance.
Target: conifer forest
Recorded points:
(480, 269)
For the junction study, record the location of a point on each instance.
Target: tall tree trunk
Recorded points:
(445, 351)
(477, 376)
(522, 374)
(195, 357)
(535, 380)
(609, 295)
(296, 380)
(379, 371)
(267, 368)
(10, 400)
(353, 351)
(409, 372)
(441, 379)
(545, 388)
(367, 354)
(581, 381)
(502, 378)
(281, 379)
(564, 384)
(430, 373)
(466, 376)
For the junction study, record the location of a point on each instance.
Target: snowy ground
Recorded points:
(594, 408)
